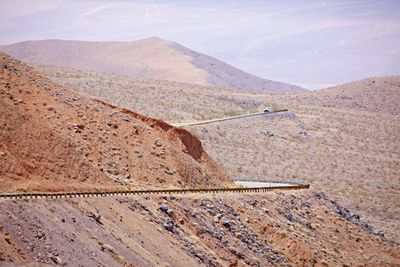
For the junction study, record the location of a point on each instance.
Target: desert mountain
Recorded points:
(376, 94)
(151, 58)
(337, 138)
(54, 139)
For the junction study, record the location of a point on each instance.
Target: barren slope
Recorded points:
(303, 228)
(348, 151)
(151, 58)
(53, 139)
(274, 229)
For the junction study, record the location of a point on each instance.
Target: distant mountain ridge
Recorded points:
(150, 58)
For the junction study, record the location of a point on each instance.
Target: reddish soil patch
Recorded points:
(54, 140)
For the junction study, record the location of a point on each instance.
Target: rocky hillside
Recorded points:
(274, 229)
(151, 58)
(336, 139)
(54, 139)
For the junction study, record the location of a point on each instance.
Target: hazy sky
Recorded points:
(310, 43)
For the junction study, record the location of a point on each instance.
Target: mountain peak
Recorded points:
(148, 58)
(153, 38)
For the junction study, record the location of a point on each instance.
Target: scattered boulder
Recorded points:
(95, 217)
(267, 133)
(217, 217)
(304, 133)
(378, 232)
(158, 142)
(112, 125)
(107, 248)
(40, 235)
(167, 210)
(219, 233)
(227, 224)
(163, 208)
(169, 225)
(170, 212)
(169, 172)
(78, 127)
(7, 238)
(56, 259)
